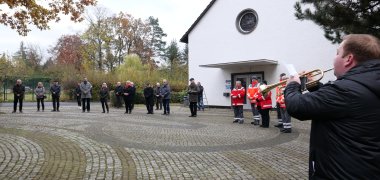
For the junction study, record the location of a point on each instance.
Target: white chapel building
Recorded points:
(235, 39)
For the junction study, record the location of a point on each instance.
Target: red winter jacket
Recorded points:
(265, 102)
(237, 96)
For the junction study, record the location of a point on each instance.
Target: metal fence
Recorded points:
(30, 83)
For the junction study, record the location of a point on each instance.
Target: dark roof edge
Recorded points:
(185, 37)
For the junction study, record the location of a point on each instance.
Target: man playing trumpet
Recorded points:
(344, 137)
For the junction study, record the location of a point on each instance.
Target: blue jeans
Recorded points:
(166, 102)
(200, 103)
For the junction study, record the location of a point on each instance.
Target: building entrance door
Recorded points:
(245, 79)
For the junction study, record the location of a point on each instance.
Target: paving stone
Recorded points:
(75, 145)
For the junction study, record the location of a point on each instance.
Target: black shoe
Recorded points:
(13, 111)
(235, 121)
(264, 126)
(241, 121)
(163, 114)
(53, 110)
(278, 125)
(191, 116)
(287, 130)
(38, 110)
(21, 112)
(103, 112)
(126, 113)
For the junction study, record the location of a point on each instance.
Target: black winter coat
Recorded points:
(344, 137)
(19, 89)
(149, 95)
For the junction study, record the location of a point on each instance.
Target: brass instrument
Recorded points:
(266, 88)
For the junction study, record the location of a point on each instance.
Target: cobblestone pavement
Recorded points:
(73, 145)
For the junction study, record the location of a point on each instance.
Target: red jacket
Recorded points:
(280, 96)
(237, 96)
(265, 102)
(252, 92)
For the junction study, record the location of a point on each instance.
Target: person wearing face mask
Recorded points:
(237, 98)
(104, 97)
(55, 91)
(165, 93)
(40, 96)
(344, 136)
(19, 91)
(86, 88)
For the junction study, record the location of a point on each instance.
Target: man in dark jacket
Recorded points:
(344, 138)
(158, 96)
(78, 93)
(19, 91)
(149, 98)
(128, 97)
(192, 91)
(165, 93)
(55, 90)
(118, 94)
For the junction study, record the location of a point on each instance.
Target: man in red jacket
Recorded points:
(237, 99)
(265, 104)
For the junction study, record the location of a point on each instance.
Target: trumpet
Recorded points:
(266, 88)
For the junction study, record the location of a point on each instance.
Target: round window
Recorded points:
(247, 21)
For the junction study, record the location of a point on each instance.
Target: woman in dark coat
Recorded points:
(104, 97)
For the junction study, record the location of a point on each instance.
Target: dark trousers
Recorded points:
(17, 99)
(193, 108)
(166, 105)
(79, 99)
(40, 101)
(278, 111)
(149, 104)
(86, 104)
(128, 106)
(286, 119)
(264, 116)
(104, 104)
(55, 103)
(118, 101)
(238, 112)
(159, 103)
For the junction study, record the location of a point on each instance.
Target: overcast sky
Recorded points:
(175, 18)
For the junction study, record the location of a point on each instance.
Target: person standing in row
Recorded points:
(118, 94)
(192, 91)
(55, 91)
(200, 97)
(127, 94)
(237, 98)
(286, 119)
(133, 95)
(86, 88)
(165, 93)
(78, 94)
(265, 104)
(40, 96)
(149, 98)
(252, 93)
(104, 97)
(19, 91)
(279, 93)
(158, 97)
